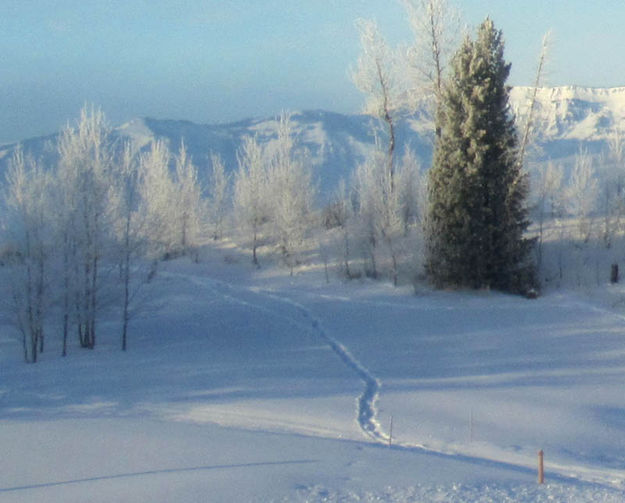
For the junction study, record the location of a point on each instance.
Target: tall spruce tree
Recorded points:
(477, 201)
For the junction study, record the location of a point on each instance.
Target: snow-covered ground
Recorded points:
(251, 385)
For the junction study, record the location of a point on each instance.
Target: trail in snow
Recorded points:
(366, 402)
(366, 415)
(366, 409)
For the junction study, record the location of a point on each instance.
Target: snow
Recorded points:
(253, 385)
(137, 131)
(568, 118)
(573, 113)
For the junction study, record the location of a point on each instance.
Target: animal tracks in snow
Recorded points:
(366, 409)
(366, 412)
(282, 306)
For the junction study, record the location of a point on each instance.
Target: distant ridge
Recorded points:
(567, 118)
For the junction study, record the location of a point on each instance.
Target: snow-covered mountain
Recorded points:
(567, 119)
(570, 118)
(573, 113)
(336, 143)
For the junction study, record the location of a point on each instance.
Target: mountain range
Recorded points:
(567, 119)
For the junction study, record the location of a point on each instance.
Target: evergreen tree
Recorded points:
(477, 211)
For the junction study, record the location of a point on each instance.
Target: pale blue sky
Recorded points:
(215, 61)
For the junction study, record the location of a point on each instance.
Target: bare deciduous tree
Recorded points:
(86, 156)
(189, 206)
(157, 197)
(387, 214)
(436, 26)
(292, 192)
(528, 127)
(582, 195)
(251, 196)
(377, 75)
(613, 187)
(218, 195)
(129, 232)
(547, 202)
(28, 222)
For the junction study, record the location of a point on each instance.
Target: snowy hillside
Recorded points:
(252, 385)
(568, 117)
(335, 142)
(574, 113)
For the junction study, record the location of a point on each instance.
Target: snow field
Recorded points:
(498, 377)
(263, 387)
(143, 460)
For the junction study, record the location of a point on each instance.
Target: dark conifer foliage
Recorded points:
(478, 190)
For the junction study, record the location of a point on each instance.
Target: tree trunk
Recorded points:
(614, 274)
(126, 299)
(25, 346)
(65, 329)
(254, 246)
(346, 253)
(33, 347)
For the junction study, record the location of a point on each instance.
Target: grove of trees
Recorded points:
(83, 235)
(78, 234)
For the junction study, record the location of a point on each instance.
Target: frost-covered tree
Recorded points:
(171, 203)
(251, 195)
(528, 128)
(396, 81)
(27, 275)
(86, 155)
(390, 215)
(412, 201)
(218, 196)
(477, 189)
(292, 192)
(342, 211)
(435, 25)
(412, 192)
(380, 209)
(371, 182)
(157, 201)
(378, 75)
(548, 203)
(62, 194)
(582, 195)
(612, 188)
(189, 205)
(129, 225)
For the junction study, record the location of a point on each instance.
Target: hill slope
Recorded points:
(568, 118)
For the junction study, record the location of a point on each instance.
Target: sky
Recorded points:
(211, 61)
